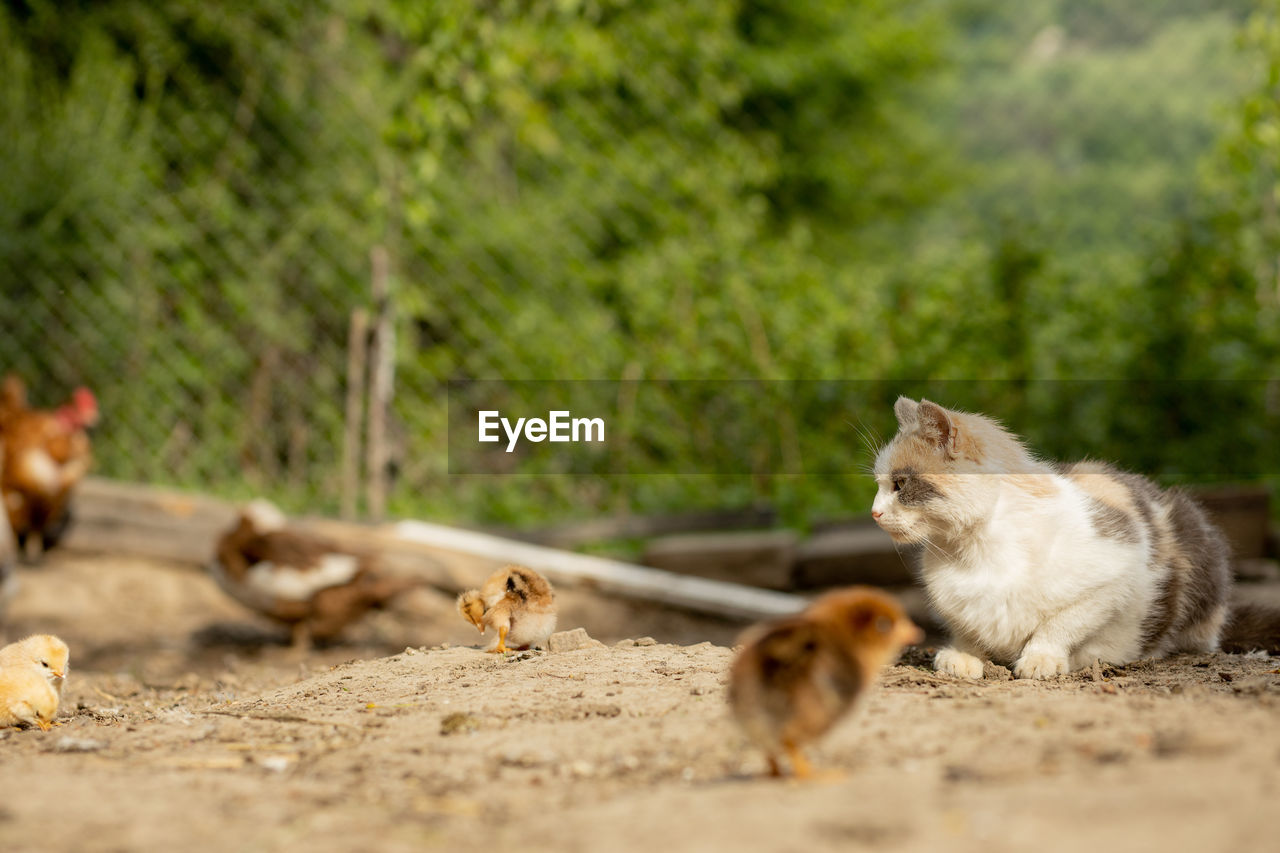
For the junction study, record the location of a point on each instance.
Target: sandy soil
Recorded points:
(185, 726)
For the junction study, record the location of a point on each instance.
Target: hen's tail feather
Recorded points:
(1251, 627)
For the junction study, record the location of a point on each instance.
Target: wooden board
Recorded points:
(573, 534)
(125, 518)
(166, 524)
(611, 576)
(760, 558)
(853, 555)
(1243, 513)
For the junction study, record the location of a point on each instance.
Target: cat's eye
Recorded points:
(897, 484)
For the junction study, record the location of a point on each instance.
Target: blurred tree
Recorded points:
(175, 172)
(896, 191)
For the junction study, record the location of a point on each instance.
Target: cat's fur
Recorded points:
(1043, 567)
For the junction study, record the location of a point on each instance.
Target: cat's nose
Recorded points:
(875, 513)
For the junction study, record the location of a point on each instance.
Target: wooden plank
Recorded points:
(165, 524)
(851, 522)
(611, 576)
(761, 558)
(145, 521)
(1243, 513)
(853, 555)
(577, 533)
(112, 499)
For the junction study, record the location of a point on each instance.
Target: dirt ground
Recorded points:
(186, 726)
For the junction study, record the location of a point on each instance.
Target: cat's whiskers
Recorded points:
(897, 549)
(870, 440)
(933, 548)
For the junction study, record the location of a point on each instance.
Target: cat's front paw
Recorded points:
(951, 661)
(1040, 665)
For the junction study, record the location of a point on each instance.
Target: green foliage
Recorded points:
(579, 189)
(177, 174)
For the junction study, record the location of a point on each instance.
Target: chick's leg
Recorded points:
(805, 772)
(799, 764)
(499, 618)
(501, 648)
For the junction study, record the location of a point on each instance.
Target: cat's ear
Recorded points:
(936, 425)
(905, 409)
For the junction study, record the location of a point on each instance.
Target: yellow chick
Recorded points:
(517, 603)
(43, 654)
(795, 677)
(26, 698)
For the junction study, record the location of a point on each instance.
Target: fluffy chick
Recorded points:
(300, 580)
(26, 698)
(43, 654)
(32, 672)
(797, 676)
(517, 603)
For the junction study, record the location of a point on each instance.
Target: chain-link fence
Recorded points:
(196, 266)
(202, 223)
(269, 237)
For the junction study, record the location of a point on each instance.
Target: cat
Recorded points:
(1043, 567)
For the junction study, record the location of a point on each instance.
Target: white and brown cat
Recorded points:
(1047, 567)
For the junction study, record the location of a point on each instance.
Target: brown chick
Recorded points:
(26, 699)
(797, 676)
(298, 579)
(516, 602)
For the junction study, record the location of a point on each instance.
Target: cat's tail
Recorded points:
(1250, 627)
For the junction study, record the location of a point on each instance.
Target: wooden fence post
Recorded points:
(381, 383)
(353, 421)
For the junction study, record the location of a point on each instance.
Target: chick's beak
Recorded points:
(44, 725)
(58, 673)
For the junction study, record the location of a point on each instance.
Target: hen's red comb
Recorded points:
(86, 405)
